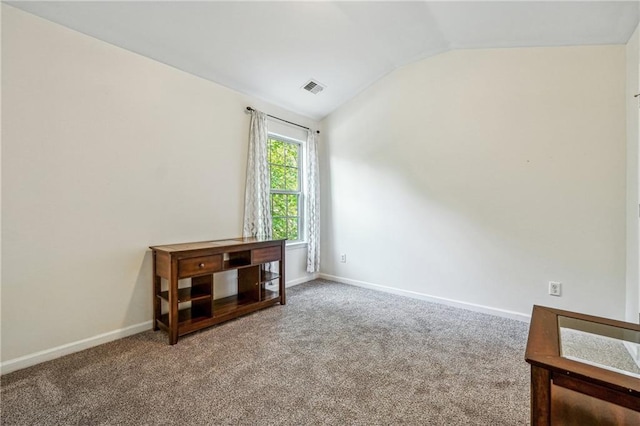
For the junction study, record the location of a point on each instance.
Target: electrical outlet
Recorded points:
(555, 288)
(343, 258)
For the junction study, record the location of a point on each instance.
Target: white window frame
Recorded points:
(301, 185)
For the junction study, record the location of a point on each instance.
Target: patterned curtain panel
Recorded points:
(257, 211)
(312, 203)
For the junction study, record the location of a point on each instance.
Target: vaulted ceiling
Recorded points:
(269, 50)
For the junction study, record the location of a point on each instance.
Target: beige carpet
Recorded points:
(335, 354)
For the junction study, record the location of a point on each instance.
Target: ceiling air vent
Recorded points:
(313, 87)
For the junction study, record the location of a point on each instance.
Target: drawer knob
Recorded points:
(201, 265)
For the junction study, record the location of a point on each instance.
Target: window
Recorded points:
(285, 166)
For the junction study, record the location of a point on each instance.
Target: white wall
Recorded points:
(478, 176)
(1, 9)
(105, 152)
(633, 177)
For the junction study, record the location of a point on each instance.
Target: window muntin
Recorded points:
(285, 168)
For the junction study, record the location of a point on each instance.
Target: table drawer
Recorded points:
(194, 266)
(267, 254)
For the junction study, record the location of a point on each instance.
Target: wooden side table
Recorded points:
(260, 265)
(583, 369)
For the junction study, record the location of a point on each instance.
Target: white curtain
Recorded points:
(312, 203)
(257, 211)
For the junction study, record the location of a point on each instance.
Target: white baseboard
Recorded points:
(435, 299)
(69, 348)
(301, 280)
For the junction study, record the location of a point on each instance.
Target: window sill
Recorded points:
(296, 245)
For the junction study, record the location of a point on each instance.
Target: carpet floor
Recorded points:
(335, 354)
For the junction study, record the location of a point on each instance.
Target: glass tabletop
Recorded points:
(601, 345)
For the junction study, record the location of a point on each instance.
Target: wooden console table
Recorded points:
(583, 369)
(179, 311)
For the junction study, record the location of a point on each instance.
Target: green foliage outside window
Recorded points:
(284, 165)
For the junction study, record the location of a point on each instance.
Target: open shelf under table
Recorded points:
(189, 294)
(237, 302)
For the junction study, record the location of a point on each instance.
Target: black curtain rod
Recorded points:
(286, 121)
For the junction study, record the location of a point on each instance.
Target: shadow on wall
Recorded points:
(141, 298)
(494, 170)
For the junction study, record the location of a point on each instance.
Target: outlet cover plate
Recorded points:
(555, 288)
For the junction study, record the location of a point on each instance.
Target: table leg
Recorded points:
(173, 303)
(283, 296)
(540, 396)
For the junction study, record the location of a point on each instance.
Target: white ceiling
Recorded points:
(269, 50)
